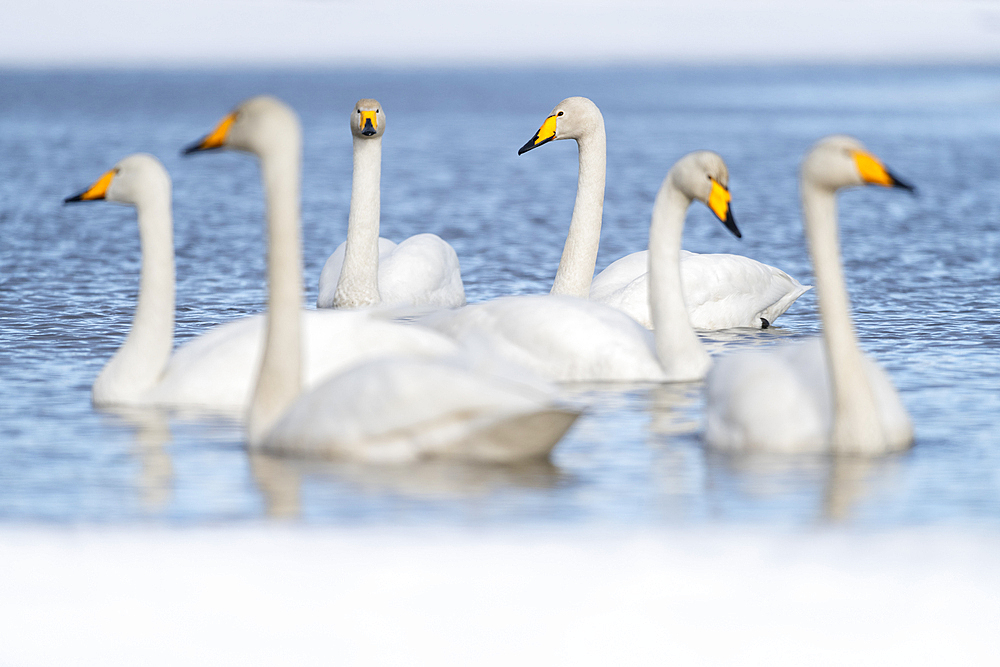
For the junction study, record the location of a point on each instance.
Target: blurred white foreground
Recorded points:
(276, 596)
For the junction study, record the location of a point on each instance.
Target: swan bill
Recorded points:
(368, 122)
(215, 139)
(718, 202)
(545, 134)
(96, 191)
(873, 171)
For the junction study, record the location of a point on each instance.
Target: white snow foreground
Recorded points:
(282, 596)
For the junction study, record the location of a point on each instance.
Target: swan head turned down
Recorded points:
(367, 120)
(136, 180)
(703, 176)
(258, 125)
(840, 161)
(573, 118)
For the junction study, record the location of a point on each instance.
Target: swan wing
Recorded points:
(402, 409)
(624, 285)
(560, 338)
(423, 270)
(724, 291)
(721, 291)
(774, 400)
(218, 370)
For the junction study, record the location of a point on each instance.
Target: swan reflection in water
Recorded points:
(152, 434)
(841, 484)
(724, 341)
(281, 479)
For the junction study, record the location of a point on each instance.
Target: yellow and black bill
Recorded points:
(96, 191)
(873, 171)
(368, 122)
(215, 139)
(545, 134)
(718, 201)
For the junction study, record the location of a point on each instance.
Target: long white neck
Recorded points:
(681, 354)
(358, 283)
(856, 427)
(139, 363)
(579, 258)
(280, 379)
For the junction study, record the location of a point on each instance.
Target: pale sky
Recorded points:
(453, 32)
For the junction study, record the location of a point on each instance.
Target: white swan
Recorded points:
(721, 291)
(825, 394)
(394, 408)
(565, 338)
(366, 270)
(216, 371)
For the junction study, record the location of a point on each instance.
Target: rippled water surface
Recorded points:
(923, 273)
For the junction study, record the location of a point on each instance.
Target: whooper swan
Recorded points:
(366, 270)
(721, 291)
(826, 394)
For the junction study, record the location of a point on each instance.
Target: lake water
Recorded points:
(923, 273)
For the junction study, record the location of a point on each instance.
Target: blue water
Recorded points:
(923, 272)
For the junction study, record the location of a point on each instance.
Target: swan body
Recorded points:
(721, 291)
(566, 338)
(368, 270)
(561, 338)
(393, 408)
(790, 407)
(824, 395)
(422, 270)
(217, 370)
(401, 410)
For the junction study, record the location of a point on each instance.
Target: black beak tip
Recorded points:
(730, 224)
(76, 197)
(196, 147)
(897, 183)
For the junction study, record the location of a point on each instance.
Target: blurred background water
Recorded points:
(923, 273)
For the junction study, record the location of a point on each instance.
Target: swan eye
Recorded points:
(560, 113)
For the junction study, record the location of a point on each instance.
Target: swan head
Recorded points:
(259, 125)
(367, 120)
(573, 118)
(134, 181)
(703, 176)
(840, 161)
